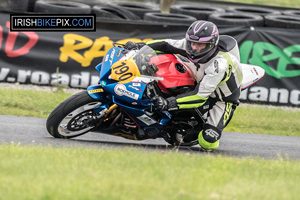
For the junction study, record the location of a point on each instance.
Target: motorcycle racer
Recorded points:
(217, 69)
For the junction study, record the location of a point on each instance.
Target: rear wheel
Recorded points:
(73, 116)
(177, 140)
(184, 129)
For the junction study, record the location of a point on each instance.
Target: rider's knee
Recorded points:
(209, 137)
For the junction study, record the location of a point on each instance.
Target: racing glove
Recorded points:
(162, 104)
(133, 46)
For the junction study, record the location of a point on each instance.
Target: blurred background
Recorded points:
(28, 5)
(267, 33)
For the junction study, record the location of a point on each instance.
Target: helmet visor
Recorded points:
(194, 48)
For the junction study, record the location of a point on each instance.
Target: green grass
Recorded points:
(265, 120)
(36, 172)
(247, 119)
(33, 172)
(29, 103)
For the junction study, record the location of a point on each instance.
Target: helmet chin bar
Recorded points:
(194, 54)
(193, 60)
(204, 58)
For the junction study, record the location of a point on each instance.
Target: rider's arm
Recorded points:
(168, 46)
(214, 74)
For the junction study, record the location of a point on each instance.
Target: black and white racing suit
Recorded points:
(219, 86)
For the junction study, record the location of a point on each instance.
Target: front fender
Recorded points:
(97, 92)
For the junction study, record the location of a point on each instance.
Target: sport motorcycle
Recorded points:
(121, 104)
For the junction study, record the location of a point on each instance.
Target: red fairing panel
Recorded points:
(173, 72)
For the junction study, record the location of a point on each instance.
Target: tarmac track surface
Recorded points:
(32, 131)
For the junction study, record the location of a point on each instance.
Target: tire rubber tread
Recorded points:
(282, 21)
(138, 9)
(63, 109)
(169, 18)
(61, 7)
(238, 19)
(253, 10)
(200, 13)
(107, 10)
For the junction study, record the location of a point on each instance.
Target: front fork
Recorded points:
(96, 120)
(97, 92)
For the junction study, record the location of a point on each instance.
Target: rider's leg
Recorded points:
(217, 119)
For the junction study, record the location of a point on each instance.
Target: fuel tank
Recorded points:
(177, 77)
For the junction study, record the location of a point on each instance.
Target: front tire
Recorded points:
(69, 119)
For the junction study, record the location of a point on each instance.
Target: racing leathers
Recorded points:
(218, 87)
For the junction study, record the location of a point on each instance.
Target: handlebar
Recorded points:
(118, 44)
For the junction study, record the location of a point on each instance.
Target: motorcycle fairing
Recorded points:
(98, 93)
(112, 56)
(128, 95)
(252, 74)
(131, 92)
(98, 67)
(143, 118)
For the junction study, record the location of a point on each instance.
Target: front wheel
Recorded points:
(70, 118)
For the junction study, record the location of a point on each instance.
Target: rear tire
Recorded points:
(68, 119)
(176, 140)
(184, 129)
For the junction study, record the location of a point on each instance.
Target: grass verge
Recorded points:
(265, 120)
(33, 172)
(247, 119)
(29, 103)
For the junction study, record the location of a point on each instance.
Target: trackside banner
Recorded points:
(69, 58)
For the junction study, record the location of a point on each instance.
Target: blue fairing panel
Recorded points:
(97, 92)
(131, 92)
(138, 114)
(98, 67)
(112, 56)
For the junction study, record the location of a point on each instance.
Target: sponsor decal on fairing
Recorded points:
(121, 90)
(146, 120)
